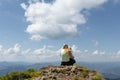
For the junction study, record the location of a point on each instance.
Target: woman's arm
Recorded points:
(70, 54)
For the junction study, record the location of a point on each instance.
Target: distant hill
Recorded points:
(7, 67)
(110, 70)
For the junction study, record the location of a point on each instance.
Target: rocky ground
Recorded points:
(74, 72)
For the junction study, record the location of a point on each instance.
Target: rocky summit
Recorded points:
(74, 72)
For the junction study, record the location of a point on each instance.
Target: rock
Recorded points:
(74, 72)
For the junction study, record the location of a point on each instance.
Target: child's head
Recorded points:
(65, 46)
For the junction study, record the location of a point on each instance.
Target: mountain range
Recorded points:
(109, 70)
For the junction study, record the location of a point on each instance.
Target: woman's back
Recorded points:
(65, 55)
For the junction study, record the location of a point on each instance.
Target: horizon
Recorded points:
(35, 30)
(77, 62)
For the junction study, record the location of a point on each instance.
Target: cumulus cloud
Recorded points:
(118, 53)
(96, 52)
(57, 20)
(13, 50)
(24, 6)
(75, 49)
(49, 53)
(15, 53)
(10, 54)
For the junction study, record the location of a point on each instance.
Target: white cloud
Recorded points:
(57, 20)
(1, 47)
(49, 53)
(15, 53)
(96, 52)
(85, 51)
(118, 53)
(15, 49)
(24, 6)
(10, 54)
(75, 49)
(26, 52)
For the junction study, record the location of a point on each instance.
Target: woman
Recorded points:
(66, 55)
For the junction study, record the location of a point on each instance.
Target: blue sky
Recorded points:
(34, 31)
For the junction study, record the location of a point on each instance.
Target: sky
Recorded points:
(36, 30)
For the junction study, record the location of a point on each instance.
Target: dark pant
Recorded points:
(70, 62)
(65, 64)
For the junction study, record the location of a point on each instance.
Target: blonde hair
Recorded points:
(65, 48)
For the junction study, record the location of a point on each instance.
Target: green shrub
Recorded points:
(20, 75)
